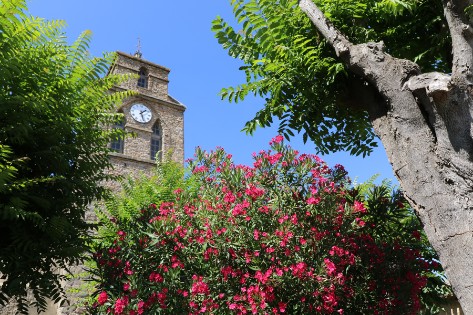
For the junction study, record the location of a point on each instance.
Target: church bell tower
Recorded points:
(154, 117)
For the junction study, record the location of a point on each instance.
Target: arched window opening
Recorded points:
(143, 79)
(156, 142)
(118, 144)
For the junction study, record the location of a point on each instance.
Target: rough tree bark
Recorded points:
(425, 124)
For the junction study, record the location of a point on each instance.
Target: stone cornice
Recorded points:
(129, 158)
(143, 61)
(177, 106)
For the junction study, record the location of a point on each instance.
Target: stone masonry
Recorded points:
(166, 111)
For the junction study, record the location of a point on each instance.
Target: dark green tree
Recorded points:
(54, 113)
(345, 73)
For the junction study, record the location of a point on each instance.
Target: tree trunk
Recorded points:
(425, 124)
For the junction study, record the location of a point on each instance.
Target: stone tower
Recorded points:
(152, 115)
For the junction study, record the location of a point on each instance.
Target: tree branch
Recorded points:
(461, 30)
(434, 83)
(335, 38)
(385, 73)
(395, 80)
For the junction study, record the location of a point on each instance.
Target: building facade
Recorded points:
(155, 119)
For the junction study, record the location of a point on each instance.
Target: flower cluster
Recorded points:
(288, 235)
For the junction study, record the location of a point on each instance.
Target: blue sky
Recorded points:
(176, 34)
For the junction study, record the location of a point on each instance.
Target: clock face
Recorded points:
(141, 113)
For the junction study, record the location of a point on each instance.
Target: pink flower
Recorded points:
(336, 251)
(200, 169)
(156, 277)
(360, 222)
(269, 250)
(277, 139)
(313, 201)
(239, 209)
(199, 287)
(273, 159)
(221, 231)
(102, 298)
(229, 197)
(299, 269)
(127, 270)
(258, 163)
(121, 235)
(359, 207)
(254, 192)
(141, 307)
(282, 307)
(120, 305)
(330, 267)
(263, 277)
(208, 253)
(175, 262)
(226, 271)
(264, 209)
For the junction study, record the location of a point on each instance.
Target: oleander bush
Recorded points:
(288, 235)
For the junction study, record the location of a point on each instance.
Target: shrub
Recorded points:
(288, 235)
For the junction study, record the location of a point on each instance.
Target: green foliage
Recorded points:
(304, 84)
(287, 235)
(137, 192)
(124, 206)
(394, 219)
(54, 110)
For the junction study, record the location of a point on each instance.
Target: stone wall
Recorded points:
(127, 166)
(51, 310)
(166, 110)
(10, 309)
(158, 75)
(171, 119)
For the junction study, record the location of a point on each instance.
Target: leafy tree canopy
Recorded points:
(305, 86)
(54, 106)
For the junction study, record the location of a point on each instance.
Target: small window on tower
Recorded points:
(143, 79)
(156, 141)
(118, 143)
